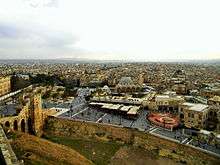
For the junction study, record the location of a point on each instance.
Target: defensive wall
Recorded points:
(7, 155)
(79, 129)
(30, 119)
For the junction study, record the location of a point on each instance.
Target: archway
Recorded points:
(182, 116)
(30, 126)
(15, 125)
(22, 125)
(7, 124)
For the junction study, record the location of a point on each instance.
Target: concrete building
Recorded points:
(214, 118)
(214, 101)
(168, 102)
(178, 82)
(194, 115)
(5, 85)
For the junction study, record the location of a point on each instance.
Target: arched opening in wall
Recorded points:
(22, 125)
(182, 116)
(7, 124)
(15, 125)
(30, 126)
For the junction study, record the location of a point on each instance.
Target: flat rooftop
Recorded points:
(133, 110)
(196, 107)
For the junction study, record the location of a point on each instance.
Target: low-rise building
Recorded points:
(194, 115)
(126, 85)
(214, 101)
(168, 102)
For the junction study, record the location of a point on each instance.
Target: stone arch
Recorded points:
(22, 125)
(7, 124)
(15, 125)
(182, 116)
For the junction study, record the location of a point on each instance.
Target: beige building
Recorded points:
(126, 85)
(168, 102)
(194, 115)
(180, 88)
(5, 85)
(214, 101)
(214, 113)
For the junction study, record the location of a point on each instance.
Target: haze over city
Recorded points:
(109, 82)
(110, 30)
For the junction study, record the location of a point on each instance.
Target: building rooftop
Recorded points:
(8, 110)
(196, 107)
(215, 98)
(125, 108)
(126, 81)
(167, 97)
(133, 110)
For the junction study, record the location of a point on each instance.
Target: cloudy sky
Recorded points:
(110, 29)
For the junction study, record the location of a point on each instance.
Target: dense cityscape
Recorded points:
(120, 82)
(179, 102)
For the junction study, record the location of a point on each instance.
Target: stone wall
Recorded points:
(5, 85)
(30, 119)
(79, 129)
(7, 154)
(63, 127)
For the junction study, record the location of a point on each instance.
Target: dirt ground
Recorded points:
(138, 156)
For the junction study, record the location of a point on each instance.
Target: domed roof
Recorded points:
(126, 81)
(106, 89)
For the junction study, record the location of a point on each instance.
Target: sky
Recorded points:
(141, 30)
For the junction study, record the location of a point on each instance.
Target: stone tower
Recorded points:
(36, 114)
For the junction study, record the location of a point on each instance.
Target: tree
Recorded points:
(18, 83)
(46, 95)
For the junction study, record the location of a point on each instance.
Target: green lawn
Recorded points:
(99, 152)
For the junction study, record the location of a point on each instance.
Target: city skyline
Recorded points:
(116, 30)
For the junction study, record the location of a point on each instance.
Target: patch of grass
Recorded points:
(12, 135)
(36, 151)
(99, 152)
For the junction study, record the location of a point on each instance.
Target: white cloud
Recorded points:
(134, 29)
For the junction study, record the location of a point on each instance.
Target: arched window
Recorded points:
(22, 125)
(7, 124)
(15, 125)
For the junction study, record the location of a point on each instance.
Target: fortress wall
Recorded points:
(70, 128)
